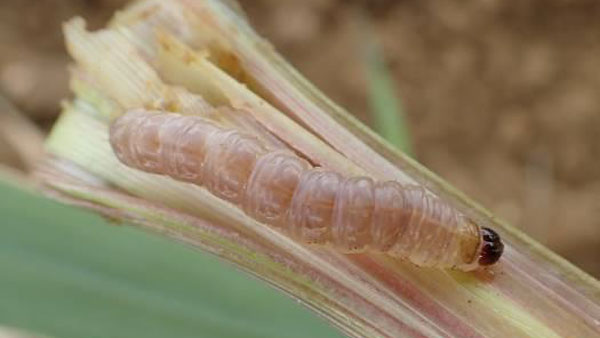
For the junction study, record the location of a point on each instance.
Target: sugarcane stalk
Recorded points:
(191, 56)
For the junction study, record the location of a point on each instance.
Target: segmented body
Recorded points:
(313, 205)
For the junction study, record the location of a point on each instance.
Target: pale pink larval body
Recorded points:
(281, 189)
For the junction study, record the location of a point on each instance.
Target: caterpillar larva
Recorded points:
(313, 205)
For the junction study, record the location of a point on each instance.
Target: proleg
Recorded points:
(311, 204)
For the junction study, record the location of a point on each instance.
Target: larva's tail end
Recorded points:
(491, 248)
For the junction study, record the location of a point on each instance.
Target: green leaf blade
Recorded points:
(388, 116)
(69, 274)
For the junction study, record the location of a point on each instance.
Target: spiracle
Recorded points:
(311, 204)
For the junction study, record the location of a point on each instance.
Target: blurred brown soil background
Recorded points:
(502, 97)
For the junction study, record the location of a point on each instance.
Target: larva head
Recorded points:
(491, 247)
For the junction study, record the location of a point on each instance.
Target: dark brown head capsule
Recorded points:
(492, 247)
